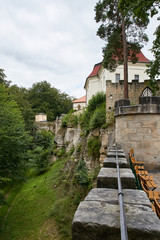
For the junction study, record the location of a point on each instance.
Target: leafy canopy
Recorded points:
(13, 137)
(112, 18)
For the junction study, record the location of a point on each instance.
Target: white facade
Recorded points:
(96, 82)
(40, 117)
(79, 106)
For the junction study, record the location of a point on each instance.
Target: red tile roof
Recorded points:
(95, 70)
(80, 100)
(141, 58)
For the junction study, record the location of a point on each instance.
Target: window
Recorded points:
(117, 77)
(136, 77)
(147, 92)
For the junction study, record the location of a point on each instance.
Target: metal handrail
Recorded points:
(123, 225)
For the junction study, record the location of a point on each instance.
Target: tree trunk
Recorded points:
(125, 58)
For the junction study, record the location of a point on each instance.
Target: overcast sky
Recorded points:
(52, 40)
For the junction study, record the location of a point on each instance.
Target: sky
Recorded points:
(52, 40)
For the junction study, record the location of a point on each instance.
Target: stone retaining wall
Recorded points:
(138, 127)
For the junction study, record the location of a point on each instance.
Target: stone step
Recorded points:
(113, 154)
(107, 178)
(97, 218)
(111, 163)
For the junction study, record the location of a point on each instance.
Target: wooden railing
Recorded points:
(145, 182)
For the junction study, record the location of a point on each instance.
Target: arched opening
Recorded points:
(147, 92)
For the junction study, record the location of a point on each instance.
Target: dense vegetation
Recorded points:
(43, 207)
(40, 98)
(94, 116)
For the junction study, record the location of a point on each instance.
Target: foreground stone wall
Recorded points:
(138, 127)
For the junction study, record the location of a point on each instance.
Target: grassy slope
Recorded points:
(43, 208)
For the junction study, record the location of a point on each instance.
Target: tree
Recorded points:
(20, 95)
(142, 11)
(3, 78)
(46, 99)
(123, 34)
(13, 138)
(154, 67)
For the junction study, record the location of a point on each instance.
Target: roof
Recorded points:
(80, 100)
(95, 70)
(141, 58)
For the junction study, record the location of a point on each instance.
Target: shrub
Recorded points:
(70, 119)
(98, 118)
(96, 101)
(40, 158)
(93, 146)
(44, 139)
(82, 173)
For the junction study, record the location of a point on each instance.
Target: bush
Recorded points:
(40, 158)
(93, 146)
(97, 101)
(44, 139)
(82, 173)
(98, 118)
(70, 119)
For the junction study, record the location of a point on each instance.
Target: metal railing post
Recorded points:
(123, 225)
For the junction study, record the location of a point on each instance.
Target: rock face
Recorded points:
(97, 217)
(73, 137)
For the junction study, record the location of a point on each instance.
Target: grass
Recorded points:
(43, 207)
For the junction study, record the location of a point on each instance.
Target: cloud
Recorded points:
(49, 40)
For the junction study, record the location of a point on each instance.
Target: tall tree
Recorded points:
(142, 11)
(14, 140)
(49, 100)
(123, 34)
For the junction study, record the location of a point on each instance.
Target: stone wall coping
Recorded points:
(137, 109)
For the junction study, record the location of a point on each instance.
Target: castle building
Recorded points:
(101, 79)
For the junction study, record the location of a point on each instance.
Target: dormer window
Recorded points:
(117, 77)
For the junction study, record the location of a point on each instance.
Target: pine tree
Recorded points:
(123, 35)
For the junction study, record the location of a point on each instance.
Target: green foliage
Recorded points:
(96, 101)
(44, 206)
(111, 30)
(44, 139)
(43, 147)
(21, 97)
(142, 11)
(3, 78)
(82, 173)
(71, 150)
(154, 68)
(49, 100)
(90, 120)
(13, 137)
(60, 152)
(93, 146)
(70, 119)
(79, 147)
(98, 118)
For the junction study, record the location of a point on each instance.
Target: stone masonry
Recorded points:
(138, 127)
(98, 218)
(115, 91)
